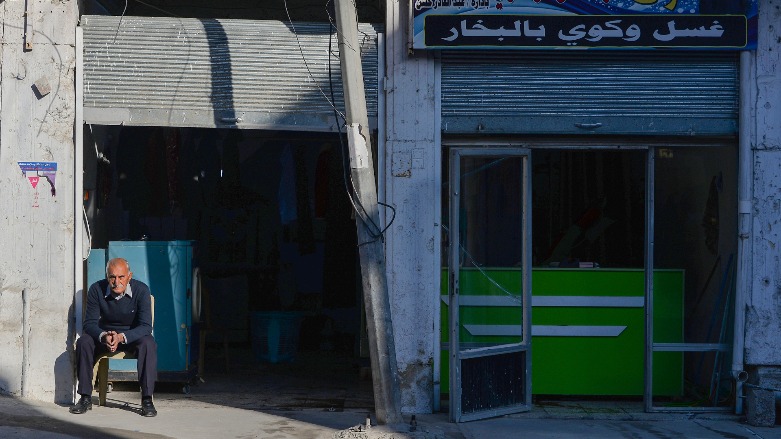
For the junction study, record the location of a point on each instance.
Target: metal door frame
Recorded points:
(651, 346)
(456, 355)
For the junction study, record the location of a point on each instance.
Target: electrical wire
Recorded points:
(99, 155)
(89, 234)
(515, 297)
(349, 188)
(306, 64)
(120, 22)
(332, 22)
(374, 230)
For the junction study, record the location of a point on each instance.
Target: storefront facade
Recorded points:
(667, 164)
(546, 159)
(224, 138)
(190, 132)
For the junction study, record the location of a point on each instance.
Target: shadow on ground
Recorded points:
(326, 380)
(324, 388)
(26, 421)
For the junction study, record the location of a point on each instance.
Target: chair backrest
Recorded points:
(153, 313)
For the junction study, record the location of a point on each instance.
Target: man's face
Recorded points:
(118, 276)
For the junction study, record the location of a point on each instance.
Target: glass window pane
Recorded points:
(588, 207)
(491, 246)
(695, 230)
(692, 379)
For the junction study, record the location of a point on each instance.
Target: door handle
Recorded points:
(589, 126)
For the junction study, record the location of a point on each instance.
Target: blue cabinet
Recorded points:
(167, 267)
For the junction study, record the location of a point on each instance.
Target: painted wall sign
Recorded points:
(35, 171)
(597, 24)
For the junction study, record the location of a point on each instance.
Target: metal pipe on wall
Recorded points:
(79, 215)
(78, 186)
(745, 184)
(25, 342)
(650, 178)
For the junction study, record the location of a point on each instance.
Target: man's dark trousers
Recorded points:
(145, 347)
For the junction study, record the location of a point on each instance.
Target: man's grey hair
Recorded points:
(116, 261)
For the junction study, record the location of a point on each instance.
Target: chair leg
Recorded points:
(102, 381)
(202, 352)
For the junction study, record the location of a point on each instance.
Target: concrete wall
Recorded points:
(36, 243)
(412, 169)
(763, 315)
(762, 354)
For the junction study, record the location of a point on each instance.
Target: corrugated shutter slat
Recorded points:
(621, 92)
(210, 72)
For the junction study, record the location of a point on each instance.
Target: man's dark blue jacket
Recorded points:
(129, 315)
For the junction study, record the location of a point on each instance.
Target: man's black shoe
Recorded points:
(148, 408)
(84, 404)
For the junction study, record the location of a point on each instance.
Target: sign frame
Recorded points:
(583, 24)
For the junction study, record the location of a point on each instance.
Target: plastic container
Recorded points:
(275, 336)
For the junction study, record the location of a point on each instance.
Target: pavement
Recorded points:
(192, 418)
(319, 397)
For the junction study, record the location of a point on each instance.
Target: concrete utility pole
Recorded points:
(387, 401)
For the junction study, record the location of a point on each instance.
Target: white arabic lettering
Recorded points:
(539, 33)
(715, 31)
(595, 33)
(575, 33)
(632, 33)
(478, 29)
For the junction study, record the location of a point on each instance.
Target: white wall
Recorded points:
(36, 243)
(413, 164)
(763, 314)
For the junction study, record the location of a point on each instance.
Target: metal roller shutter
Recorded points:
(669, 93)
(217, 73)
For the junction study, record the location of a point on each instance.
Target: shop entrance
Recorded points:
(270, 223)
(489, 266)
(632, 277)
(217, 136)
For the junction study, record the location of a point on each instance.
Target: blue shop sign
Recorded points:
(594, 24)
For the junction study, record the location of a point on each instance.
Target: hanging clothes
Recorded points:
(287, 187)
(171, 140)
(321, 182)
(304, 227)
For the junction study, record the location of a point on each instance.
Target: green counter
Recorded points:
(601, 316)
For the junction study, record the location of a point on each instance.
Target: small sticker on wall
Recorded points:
(37, 171)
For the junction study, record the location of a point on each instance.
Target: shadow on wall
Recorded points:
(28, 377)
(222, 74)
(64, 376)
(64, 365)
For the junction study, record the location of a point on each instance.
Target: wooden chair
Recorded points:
(116, 366)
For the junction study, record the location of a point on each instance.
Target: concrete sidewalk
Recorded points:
(192, 419)
(669, 426)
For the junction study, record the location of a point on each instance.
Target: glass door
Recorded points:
(489, 282)
(694, 247)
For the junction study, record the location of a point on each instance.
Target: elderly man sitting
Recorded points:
(118, 317)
